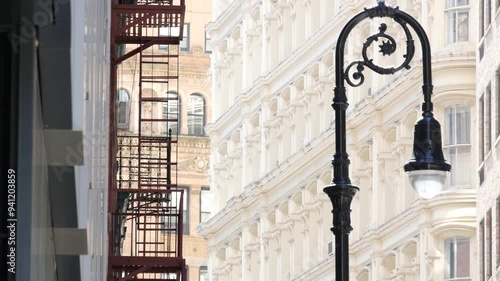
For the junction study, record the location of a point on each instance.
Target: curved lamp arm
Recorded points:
(427, 148)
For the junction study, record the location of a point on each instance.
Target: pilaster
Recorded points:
(377, 192)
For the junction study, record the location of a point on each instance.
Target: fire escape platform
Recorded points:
(144, 39)
(132, 21)
(157, 264)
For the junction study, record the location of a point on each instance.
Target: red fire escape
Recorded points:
(145, 205)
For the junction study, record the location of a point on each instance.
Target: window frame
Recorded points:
(488, 12)
(488, 240)
(488, 112)
(449, 273)
(209, 39)
(171, 275)
(192, 127)
(203, 189)
(185, 206)
(497, 82)
(456, 10)
(482, 250)
(482, 152)
(123, 125)
(167, 114)
(185, 35)
(481, 19)
(457, 141)
(497, 239)
(203, 267)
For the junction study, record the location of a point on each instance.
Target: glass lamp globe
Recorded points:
(427, 183)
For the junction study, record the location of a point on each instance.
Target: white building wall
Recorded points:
(272, 143)
(488, 172)
(90, 96)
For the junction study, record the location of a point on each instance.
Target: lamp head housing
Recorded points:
(427, 167)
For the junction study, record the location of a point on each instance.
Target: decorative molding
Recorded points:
(199, 164)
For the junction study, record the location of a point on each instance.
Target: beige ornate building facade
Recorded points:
(272, 142)
(488, 96)
(192, 108)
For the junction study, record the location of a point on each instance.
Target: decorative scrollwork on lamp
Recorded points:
(387, 47)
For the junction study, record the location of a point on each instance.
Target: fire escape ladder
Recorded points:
(146, 209)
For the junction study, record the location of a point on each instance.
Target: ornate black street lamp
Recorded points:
(427, 167)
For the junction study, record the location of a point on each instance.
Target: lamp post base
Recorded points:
(341, 197)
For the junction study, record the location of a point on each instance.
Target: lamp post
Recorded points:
(427, 167)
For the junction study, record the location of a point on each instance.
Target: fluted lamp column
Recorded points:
(427, 167)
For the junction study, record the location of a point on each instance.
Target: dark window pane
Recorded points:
(457, 258)
(463, 258)
(122, 107)
(122, 112)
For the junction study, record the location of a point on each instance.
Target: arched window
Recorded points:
(122, 108)
(458, 145)
(171, 111)
(196, 115)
